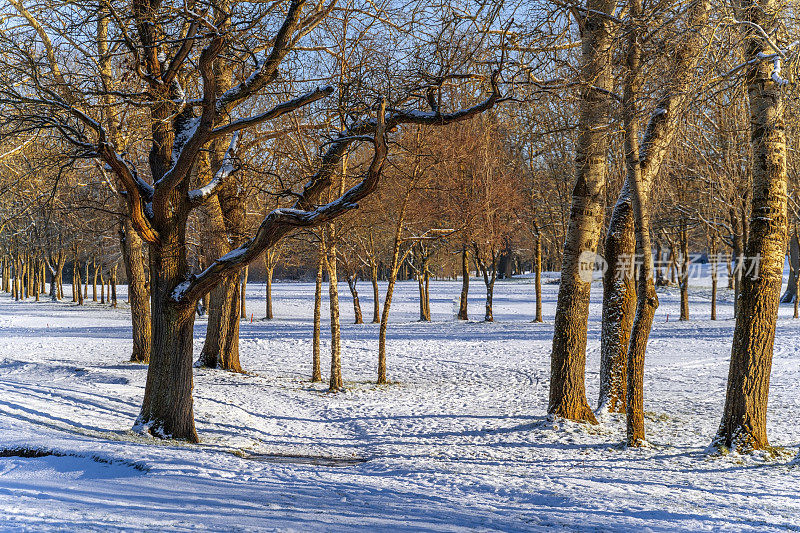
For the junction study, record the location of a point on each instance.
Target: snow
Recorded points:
(460, 441)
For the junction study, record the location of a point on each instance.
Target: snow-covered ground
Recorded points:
(460, 441)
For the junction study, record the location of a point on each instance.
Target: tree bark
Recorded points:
(376, 298)
(167, 409)
(568, 359)
(738, 256)
(221, 347)
(336, 383)
(242, 299)
(619, 287)
(316, 367)
(112, 280)
(269, 314)
(619, 304)
(790, 295)
(744, 419)
(714, 268)
(462, 308)
(683, 278)
(646, 299)
(138, 293)
(351, 283)
(537, 270)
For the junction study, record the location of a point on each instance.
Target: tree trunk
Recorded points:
(619, 303)
(794, 266)
(112, 280)
(376, 298)
(568, 359)
(462, 308)
(316, 367)
(78, 285)
(537, 274)
(426, 292)
(646, 299)
(243, 296)
(167, 409)
(744, 421)
(684, 273)
(336, 383)
(269, 314)
(714, 267)
(421, 287)
(223, 315)
(95, 269)
(351, 283)
(138, 293)
(796, 291)
(221, 346)
(738, 263)
(394, 269)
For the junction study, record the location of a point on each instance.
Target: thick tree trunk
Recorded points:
(744, 421)
(568, 359)
(223, 305)
(138, 293)
(167, 409)
(462, 308)
(619, 288)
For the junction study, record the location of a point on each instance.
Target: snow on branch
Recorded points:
(227, 168)
(267, 67)
(275, 112)
(280, 222)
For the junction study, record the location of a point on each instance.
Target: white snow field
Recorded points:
(459, 443)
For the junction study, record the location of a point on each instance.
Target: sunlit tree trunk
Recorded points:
(568, 358)
(744, 420)
(316, 367)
